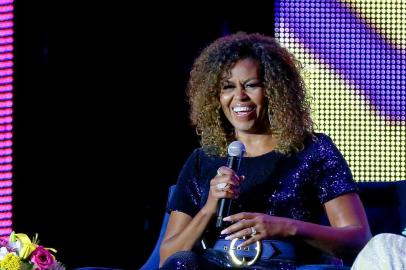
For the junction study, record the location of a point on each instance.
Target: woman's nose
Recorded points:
(241, 93)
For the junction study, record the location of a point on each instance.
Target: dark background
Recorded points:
(101, 125)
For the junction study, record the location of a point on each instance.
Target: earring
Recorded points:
(270, 119)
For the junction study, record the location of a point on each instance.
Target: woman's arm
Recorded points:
(183, 231)
(348, 233)
(349, 230)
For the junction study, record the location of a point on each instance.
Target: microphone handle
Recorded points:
(223, 211)
(224, 206)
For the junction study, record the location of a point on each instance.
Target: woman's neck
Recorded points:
(257, 144)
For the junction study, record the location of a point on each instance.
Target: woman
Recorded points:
(247, 87)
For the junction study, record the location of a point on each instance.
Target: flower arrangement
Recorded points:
(18, 252)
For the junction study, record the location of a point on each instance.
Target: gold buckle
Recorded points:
(241, 262)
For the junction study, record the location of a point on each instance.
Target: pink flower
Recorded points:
(42, 258)
(3, 242)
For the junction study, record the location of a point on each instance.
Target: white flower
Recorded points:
(3, 252)
(16, 245)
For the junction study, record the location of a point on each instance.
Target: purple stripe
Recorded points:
(353, 48)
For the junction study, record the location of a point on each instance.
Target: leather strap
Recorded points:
(269, 250)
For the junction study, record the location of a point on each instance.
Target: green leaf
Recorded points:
(12, 237)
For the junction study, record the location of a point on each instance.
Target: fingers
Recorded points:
(240, 216)
(239, 229)
(245, 226)
(250, 233)
(224, 170)
(225, 184)
(227, 173)
(250, 241)
(244, 232)
(222, 185)
(226, 192)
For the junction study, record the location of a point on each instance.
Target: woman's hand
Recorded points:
(224, 185)
(258, 226)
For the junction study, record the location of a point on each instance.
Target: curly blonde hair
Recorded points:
(288, 109)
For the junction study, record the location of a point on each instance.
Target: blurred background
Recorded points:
(101, 124)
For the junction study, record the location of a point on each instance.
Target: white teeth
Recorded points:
(242, 109)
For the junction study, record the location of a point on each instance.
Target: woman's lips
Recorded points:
(243, 111)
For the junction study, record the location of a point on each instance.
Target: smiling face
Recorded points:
(243, 99)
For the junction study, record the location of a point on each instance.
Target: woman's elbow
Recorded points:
(364, 236)
(356, 242)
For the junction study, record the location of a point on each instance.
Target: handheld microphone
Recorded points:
(236, 151)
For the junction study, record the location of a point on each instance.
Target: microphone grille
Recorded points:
(236, 149)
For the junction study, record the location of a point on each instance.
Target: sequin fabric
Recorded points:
(182, 260)
(294, 186)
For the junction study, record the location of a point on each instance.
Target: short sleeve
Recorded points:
(187, 194)
(335, 175)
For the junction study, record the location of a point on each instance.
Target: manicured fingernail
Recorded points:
(228, 237)
(223, 232)
(226, 219)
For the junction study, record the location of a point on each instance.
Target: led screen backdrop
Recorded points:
(6, 103)
(354, 63)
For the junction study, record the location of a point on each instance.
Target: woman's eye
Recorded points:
(226, 87)
(252, 85)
